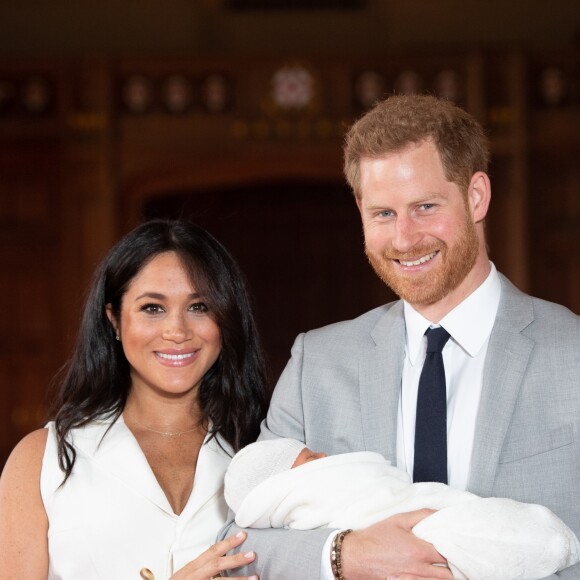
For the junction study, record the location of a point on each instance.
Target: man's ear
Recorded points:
(112, 318)
(479, 196)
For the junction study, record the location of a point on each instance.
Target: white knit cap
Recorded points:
(255, 463)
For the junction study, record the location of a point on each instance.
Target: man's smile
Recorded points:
(419, 261)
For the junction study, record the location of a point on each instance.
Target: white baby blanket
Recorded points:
(482, 538)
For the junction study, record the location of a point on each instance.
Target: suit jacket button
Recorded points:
(146, 574)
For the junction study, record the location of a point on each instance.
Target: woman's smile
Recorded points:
(175, 358)
(167, 329)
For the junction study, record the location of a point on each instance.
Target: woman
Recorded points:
(166, 382)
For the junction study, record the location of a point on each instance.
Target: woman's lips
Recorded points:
(175, 358)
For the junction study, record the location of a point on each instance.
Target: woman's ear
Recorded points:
(112, 318)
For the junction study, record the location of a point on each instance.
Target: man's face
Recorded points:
(420, 235)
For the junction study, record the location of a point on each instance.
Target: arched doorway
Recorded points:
(300, 245)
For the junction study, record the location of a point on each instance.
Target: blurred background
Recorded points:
(232, 113)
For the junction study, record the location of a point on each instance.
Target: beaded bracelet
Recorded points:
(336, 554)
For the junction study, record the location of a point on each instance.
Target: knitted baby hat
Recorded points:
(256, 463)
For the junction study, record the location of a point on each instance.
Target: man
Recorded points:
(417, 166)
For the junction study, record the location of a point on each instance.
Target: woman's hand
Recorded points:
(214, 561)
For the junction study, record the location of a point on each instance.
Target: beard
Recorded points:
(429, 287)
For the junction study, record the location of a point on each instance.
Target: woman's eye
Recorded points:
(152, 308)
(199, 307)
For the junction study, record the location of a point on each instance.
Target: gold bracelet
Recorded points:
(336, 554)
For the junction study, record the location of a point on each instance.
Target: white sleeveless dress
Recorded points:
(111, 518)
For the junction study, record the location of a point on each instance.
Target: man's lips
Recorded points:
(418, 261)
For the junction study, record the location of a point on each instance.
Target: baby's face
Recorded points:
(307, 455)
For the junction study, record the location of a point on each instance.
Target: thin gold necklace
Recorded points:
(168, 433)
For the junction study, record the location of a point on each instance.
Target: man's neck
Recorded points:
(438, 310)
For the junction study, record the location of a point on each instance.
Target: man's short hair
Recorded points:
(401, 120)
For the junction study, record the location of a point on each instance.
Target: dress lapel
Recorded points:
(212, 463)
(117, 453)
(505, 365)
(380, 372)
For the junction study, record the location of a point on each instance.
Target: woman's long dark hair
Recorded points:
(97, 380)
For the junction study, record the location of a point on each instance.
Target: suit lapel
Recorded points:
(381, 366)
(505, 365)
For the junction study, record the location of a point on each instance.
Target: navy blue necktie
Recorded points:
(430, 462)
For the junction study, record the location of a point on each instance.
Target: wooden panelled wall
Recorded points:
(84, 147)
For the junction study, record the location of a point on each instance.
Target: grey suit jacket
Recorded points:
(340, 393)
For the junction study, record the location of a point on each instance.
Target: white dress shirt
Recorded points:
(469, 324)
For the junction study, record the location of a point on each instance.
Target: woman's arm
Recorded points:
(23, 520)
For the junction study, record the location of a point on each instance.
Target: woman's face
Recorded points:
(168, 334)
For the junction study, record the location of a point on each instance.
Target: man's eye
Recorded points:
(428, 206)
(385, 213)
(199, 307)
(152, 308)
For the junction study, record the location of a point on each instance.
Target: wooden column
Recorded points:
(507, 221)
(88, 189)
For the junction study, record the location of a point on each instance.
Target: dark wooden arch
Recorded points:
(295, 232)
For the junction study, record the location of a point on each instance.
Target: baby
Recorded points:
(281, 483)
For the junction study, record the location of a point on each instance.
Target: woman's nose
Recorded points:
(176, 329)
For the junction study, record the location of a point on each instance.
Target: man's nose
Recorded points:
(406, 234)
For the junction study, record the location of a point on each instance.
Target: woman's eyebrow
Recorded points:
(157, 296)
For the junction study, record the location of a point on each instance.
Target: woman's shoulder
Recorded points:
(20, 481)
(24, 524)
(30, 449)
(26, 458)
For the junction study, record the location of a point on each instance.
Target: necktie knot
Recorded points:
(436, 339)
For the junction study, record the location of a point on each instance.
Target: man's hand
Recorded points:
(389, 549)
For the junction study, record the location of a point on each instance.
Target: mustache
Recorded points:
(410, 255)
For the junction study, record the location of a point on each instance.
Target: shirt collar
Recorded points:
(469, 323)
